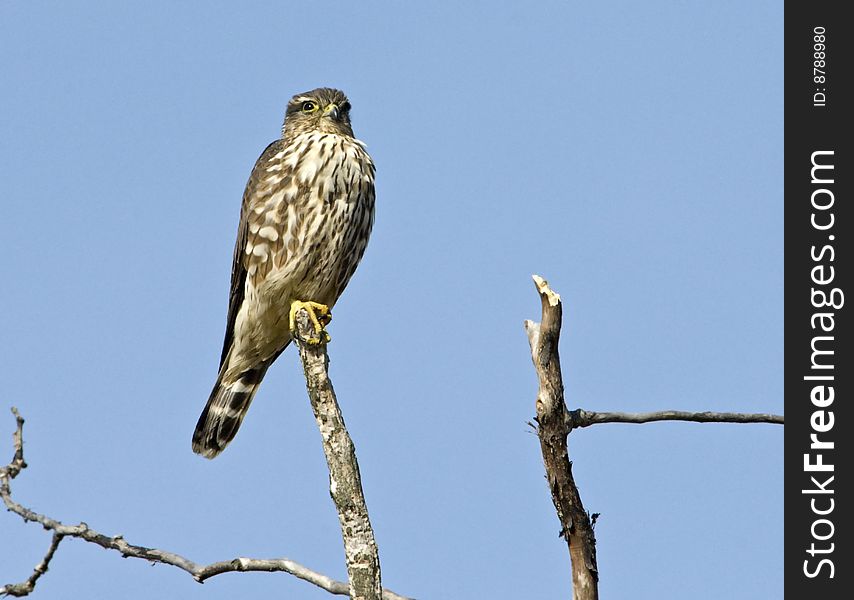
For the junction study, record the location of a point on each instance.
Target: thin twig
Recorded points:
(585, 418)
(345, 482)
(26, 587)
(199, 572)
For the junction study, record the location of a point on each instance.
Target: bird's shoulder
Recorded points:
(265, 173)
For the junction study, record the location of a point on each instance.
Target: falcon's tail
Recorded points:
(225, 410)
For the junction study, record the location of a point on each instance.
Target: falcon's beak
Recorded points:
(331, 111)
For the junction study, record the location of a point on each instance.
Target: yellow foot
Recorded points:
(318, 313)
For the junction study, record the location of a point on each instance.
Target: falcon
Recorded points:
(306, 216)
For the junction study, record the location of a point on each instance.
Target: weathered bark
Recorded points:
(576, 526)
(345, 482)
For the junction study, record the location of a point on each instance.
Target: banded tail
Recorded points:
(225, 410)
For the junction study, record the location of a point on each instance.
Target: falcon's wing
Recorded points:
(253, 193)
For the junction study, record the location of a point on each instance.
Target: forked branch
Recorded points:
(154, 555)
(556, 422)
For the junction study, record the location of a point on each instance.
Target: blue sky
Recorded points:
(631, 153)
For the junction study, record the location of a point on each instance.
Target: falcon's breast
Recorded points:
(307, 216)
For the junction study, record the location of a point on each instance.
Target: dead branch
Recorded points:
(556, 423)
(345, 482)
(584, 418)
(26, 587)
(576, 526)
(199, 572)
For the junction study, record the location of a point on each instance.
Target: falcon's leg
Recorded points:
(313, 309)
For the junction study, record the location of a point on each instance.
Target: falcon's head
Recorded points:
(323, 110)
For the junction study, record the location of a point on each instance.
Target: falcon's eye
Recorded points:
(309, 106)
(345, 107)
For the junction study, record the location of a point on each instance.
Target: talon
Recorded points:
(319, 322)
(316, 340)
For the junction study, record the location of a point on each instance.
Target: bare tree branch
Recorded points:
(585, 418)
(199, 572)
(576, 526)
(26, 587)
(556, 423)
(345, 482)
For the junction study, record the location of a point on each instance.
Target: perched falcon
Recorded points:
(307, 213)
